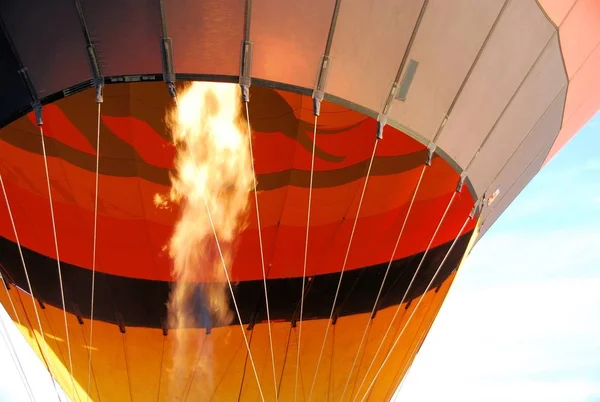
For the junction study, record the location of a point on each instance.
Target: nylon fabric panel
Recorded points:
(582, 90)
(54, 322)
(127, 41)
(405, 348)
(144, 360)
(73, 194)
(220, 24)
(584, 112)
(536, 95)
(380, 324)
(53, 53)
(108, 360)
(541, 136)
(241, 372)
(557, 10)
(134, 167)
(219, 363)
(446, 45)
(289, 39)
(367, 49)
(519, 37)
(583, 97)
(514, 191)
(580, 34)
(14, 96)
(148, 307)
(332, 373)
(83, 333)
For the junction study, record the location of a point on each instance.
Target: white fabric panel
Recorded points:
(536, 95)
(520, 36)
(449, 38)
(369, 42)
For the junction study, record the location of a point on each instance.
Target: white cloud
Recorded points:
(520, 324)
(592, 164)
(513, 391)
(533, 254)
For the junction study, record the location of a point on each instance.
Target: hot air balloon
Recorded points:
(386, 138)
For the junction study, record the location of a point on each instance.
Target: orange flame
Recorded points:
(212, 171)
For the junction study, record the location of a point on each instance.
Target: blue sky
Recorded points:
(522, 320)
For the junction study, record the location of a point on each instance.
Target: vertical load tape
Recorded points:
(383, 116)
(168, 66)
(96, 72)
(246, 69)
(36, 105)
(431, 147)
(319, 90)
(461, 181)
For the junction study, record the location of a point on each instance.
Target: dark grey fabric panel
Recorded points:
(126, 34)
(14, 96)
(513, 191)
(509, 182)
(207, 35)
(48, 40)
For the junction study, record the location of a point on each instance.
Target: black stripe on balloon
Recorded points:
(142, 303)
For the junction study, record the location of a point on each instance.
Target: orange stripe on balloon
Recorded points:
(60, 128)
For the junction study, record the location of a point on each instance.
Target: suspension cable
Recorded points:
(237, 310)
(196, 364)
(406, 292)
(94, 253)
(37, 314)
(409, 359)
(414, 310)
(370, 318)
(310, 187)
(124, 343)
(262, 255)
(343, 268)
(226, 272)
(62, 290)
(10, 300)
(9, 344)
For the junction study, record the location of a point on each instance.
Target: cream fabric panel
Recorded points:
(519, 38)
(449, 38)
(368, 45)
(536, 95)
